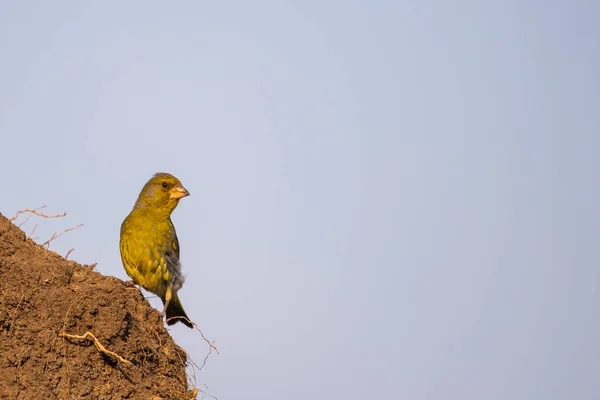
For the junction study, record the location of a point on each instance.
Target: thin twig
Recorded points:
(55, 235)
(99, 346)
(35, 211)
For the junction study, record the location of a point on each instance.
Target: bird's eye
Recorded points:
(165, 184)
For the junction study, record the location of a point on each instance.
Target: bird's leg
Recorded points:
(168, 296)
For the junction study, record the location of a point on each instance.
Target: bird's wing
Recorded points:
(175, 243)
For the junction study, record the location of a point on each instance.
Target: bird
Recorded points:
(149, 245)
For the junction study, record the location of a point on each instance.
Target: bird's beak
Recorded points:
(179, 192)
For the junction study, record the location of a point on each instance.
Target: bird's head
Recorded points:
(163, 191)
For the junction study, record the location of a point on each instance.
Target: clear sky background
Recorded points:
(390, 199)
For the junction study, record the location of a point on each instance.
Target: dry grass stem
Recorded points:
(68, 252)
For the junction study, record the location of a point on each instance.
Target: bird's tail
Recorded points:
(175, 313)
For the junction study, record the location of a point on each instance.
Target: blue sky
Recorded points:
(391, 200)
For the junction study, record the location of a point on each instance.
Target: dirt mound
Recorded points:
(42, 296)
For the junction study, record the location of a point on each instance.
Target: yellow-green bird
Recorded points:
(149, 244)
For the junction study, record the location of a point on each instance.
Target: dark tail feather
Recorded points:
(175, 313)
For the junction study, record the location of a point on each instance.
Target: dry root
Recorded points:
(210, 344)
(35, 211)
(39, 214)
(99, 346)
(56, 234)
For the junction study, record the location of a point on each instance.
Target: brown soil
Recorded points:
(43, 295)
